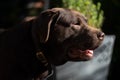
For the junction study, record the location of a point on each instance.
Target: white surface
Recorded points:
(95, 69)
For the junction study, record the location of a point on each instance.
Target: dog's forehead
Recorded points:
(68, 11)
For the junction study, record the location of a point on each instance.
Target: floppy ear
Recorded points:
(42, 24)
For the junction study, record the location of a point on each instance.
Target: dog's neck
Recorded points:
(39, 53)
(41, 57)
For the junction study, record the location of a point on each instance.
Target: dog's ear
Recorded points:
(42, 24)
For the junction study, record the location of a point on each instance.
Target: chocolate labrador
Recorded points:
(58, 35)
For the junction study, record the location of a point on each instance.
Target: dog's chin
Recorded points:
(75, 54)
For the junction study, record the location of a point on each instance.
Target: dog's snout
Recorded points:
(100, 35)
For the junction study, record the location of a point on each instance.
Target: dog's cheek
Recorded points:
(69, 32)
(62, 33)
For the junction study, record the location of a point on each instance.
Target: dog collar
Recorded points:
(41, 57)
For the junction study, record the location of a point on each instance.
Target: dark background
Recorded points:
(111, 26)
(14, 11)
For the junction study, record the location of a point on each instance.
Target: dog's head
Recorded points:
(66, 35)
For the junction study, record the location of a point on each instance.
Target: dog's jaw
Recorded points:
(75, 54)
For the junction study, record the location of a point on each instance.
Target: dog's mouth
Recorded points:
(75, 54)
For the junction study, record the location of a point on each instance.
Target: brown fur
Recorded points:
(54, 33)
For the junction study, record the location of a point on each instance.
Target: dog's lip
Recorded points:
(87, 52)
(77, 54)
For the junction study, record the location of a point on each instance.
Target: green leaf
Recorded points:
(88, 8)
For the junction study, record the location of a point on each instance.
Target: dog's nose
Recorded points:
(100, 35)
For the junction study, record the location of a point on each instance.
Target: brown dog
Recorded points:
(56, 36)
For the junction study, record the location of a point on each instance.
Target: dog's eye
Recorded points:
(75, 27)
(78, 22)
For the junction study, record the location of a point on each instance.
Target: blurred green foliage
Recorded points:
(93, 12)
(90, 10)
